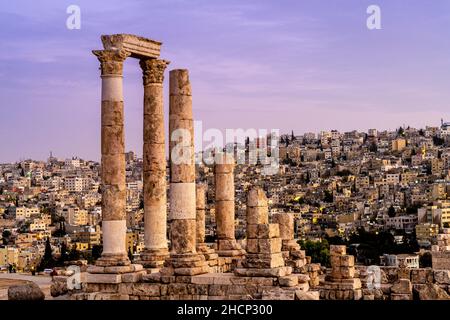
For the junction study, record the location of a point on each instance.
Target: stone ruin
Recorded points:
(190, 269)
(272, 266)
(341, 283)
(440, 252)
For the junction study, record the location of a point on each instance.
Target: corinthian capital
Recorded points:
(153, 70)
(111, 61)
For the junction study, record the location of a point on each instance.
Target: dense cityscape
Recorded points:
(385, 194)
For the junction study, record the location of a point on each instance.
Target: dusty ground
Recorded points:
(9, 279)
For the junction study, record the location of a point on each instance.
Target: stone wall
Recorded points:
(405, 284)
(214, 286)
(440, 260)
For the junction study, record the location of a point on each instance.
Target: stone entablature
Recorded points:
(138, 47)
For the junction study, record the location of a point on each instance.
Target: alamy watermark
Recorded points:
(74, 279)
(73, 21)
(374, 20)
(247, 146)
(373, 277)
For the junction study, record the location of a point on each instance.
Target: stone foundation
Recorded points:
(213, 286)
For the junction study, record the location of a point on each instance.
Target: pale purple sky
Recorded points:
(306, 65)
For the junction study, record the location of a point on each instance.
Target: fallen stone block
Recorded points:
(442, 276)
(309, 295)
(430, 292)
(28, 291)
(402, 286)
(288, 281)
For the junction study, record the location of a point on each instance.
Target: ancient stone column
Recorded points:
(263, 256)
(113, 159)
(200, 195)
(292, 254)
(224, 183)
(184, 259)
(341, 283)
(154, 165)
(257, 207)
(286, 223)
(209, 253)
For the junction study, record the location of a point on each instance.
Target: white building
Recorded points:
(392, 260)
(74, 162)
(407, 223)
(22, 213)
(73, 184)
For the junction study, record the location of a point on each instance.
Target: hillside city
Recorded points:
(384, 194)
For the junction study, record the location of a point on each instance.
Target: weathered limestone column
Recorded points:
(292, 254)
(113, 159)
(286, 223)
(200, 196)
(154, 166)
(184, 259)
(342, 284)
(224, 183)
(209, 253)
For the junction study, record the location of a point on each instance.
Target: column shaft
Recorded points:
(154, 165)
(200, 213)
(225, 212)
(182, 167)
(224, 183)
(113, 159)
(184, 259)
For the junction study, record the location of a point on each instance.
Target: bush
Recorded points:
(319, 251)
(425, 260)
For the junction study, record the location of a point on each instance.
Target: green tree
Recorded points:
(391, 211)
(6, 235)
(371, 245)
(333, 163)
(319, 251)
(64, 256)
(48, 253)
(47, 261)
(130, 254)
(425, 260)
(344, 173)
(438, 141)
(96, 251)
(336, 240)
(328, 196)
(74, 254)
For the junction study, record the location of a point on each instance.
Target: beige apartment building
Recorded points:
(438, 213)
(23, 213)
(398, 144)
(9, 256)
(437, 166)
(426, 231)
(75, 216)
(73, 184)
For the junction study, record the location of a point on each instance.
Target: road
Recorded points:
(9, 279)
